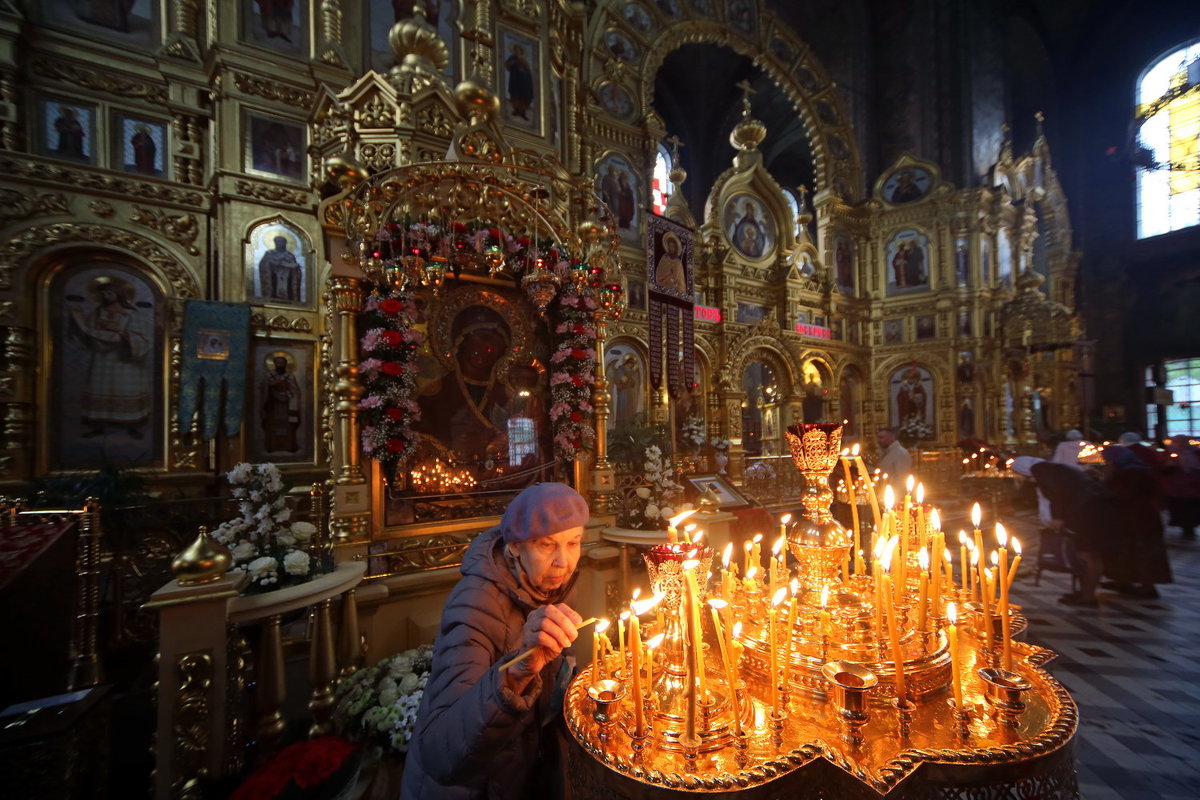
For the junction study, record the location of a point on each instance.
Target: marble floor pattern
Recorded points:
(1133, 667)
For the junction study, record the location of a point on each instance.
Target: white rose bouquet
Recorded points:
(262, 540)
(660, 498)
(379, 704)
(693, 431)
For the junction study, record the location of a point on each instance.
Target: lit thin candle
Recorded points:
(869, 485)
(923, 589)
(894, 632)
(635, 669)
(725, 645)
(962, 555)
(794, 589)
(1012, 570)
(858, 559)
(955, 665)
(976, 519)
(773, 637)
(651, 643)
(935, 551)
(621, 621)
(598, 647)
(726, 577)
(1002, 579)
(673, 524)
(692, 655)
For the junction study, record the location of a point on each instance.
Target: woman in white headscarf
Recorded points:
(1067, 451)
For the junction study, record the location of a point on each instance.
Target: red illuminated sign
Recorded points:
(815, 331)
(706, 313)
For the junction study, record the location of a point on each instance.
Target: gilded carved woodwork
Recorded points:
(19, 247)
(88, 77)
(181, 228)
(190, 723)
(115, 185)
(297, 198)
(16, 205)
(259, 321)
(271, 89)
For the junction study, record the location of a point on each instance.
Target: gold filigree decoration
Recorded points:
(17, 249)
(280, 322)
(272, 90)
(96, 80)
(433, 119)
(6, 309)
(181, 229)
(54, 173)
(378, 157)
(15, 205)
(185, 448)
(375, 114)
(190, 719)
(428, 552)
(101, 208)
(274, 194)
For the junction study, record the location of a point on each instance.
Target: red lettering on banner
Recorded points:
(815, 331)
(706, 313)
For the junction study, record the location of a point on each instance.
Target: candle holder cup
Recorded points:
(605, 694)
(1005, 693)
(850, 683)
(904, 714)
(962, 718)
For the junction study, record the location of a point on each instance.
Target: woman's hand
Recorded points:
(548, 631)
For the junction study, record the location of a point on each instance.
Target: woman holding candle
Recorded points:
(517, 581)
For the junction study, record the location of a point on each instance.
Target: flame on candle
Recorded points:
(751, 573)
(727, 555)
(777, 548)
(757, 538)
(691, 563)
(1016, 545)
(946, 555)
(854, 451)
(624, 616)
(923, 558)
(976, 515)
(717, 603)
(603, 625)
(920, 493)
(737, 630)
(935, 520)
(995, 559)
(1001, 535)
(974, 556)
(680, 517)
(889, 498)
(779, 596)
(885, 561)
(642, 606)
(962, 538)
(795, 586)
(909, 482)
(785, 519)
(698, 535)
(878, 549)
(952, 612)
(824, 596)
(655, 640)
(637, 592)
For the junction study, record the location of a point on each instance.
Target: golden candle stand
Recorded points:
(833, 726)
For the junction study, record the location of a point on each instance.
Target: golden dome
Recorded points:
(203, 561)
(414, 40)
(345, 171)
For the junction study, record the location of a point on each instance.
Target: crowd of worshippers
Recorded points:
(1107, 521)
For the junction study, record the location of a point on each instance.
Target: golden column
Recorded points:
(347, 300)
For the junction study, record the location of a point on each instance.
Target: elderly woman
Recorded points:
(481, 732)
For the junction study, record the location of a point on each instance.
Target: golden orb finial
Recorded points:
(416, 45)
(203, 561)
(345, 171)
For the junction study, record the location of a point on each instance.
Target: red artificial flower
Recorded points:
(576, 416)
(395, 445)
(523, 241)
(579, 329)
(575, 443)
(391, 368)
(578, 352)
(494, 233)
(391, 306)
(578, 381)
(394, 413)
(392, 338)
(458, 227)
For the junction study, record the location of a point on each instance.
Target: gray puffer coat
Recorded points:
(473, 737)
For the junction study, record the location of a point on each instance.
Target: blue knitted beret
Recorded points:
(543, 509)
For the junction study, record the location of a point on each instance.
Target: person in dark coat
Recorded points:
(1081, 505)
(482, 733)
(1142, 559)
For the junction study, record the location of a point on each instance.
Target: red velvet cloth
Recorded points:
(21, 545)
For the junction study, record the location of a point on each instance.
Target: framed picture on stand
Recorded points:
(720, 486)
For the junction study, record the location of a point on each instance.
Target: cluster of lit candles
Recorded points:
(911, 570)
(438, 477)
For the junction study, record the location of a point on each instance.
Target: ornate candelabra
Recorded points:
(814, 661)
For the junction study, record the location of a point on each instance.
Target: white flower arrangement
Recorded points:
(661, 494)
(693, 431)
(914, 428)
(721, 444)
(261, 541)
(379, 704)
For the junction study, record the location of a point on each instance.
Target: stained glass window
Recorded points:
(1168, 152)
(1183, 414)
(661, 186)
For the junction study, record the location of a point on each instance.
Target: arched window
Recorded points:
(1182, 379)
(1168, 147)
(662, 184)
(793, 204)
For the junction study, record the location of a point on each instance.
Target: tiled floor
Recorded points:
(1133, 667)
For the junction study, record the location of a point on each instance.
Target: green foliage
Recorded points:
(627, 443)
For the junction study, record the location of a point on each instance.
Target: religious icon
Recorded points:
(107, 364)
(621, 46)
(843, 263)
(985, 262)
(626, 373)
(279, 25)
(750, 313)
(125, 21)
(669, 272)
(637, 294)
(893, 331)
(280, 406)
(1004, 258)
(911, 397)
(615, 100)
(962, 261)
(964, 323)
(521, 70)
(926, 327)
(907, 259)
(813, 404)
(141, 146)
(907, 185)
(278, 255)
(638, 18)
(620, 190)
(275, 147)
(69, 130)
(748, 226)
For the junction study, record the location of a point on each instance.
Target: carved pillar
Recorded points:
(193, 659)
(86, 669)
(331, 51)
(16, 410)
(322, 671)
(351, 640)
(272, 687)
(347, 301)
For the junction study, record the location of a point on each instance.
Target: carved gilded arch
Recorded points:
(21, 248)
(837, 163)
(761, 340)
